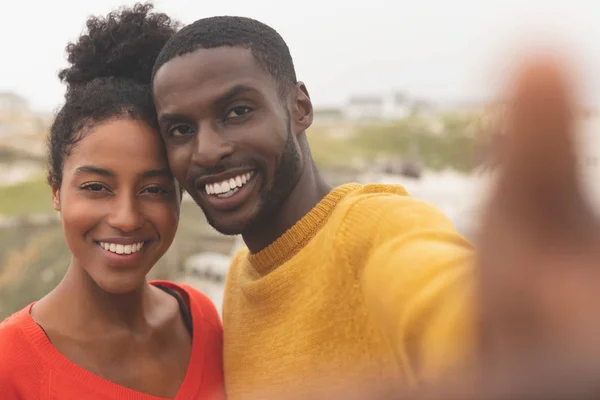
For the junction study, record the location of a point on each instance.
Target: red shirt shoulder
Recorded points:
(21, 370)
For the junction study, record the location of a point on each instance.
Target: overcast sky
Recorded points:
(442, 50)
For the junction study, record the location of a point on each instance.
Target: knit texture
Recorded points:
(370, 290)
(33, 369)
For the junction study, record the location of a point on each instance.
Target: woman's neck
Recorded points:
(82, 306)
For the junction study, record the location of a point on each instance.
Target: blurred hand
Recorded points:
(539, 257)
(539, 253)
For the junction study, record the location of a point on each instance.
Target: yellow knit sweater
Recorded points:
(371, 287)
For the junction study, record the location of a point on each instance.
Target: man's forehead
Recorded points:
(204, 64)
(217, 71)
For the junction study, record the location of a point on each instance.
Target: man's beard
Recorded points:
(287, 175)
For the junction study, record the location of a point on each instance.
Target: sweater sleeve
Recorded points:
(416, 273)
(7, 387)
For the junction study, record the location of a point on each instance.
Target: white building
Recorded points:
(364, 107)
(393, 106)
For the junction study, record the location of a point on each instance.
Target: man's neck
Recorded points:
(308, 192)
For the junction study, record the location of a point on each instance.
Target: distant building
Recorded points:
(328, 114)
(364, 107)
(419, 106)
(397, 105)
(394, 106)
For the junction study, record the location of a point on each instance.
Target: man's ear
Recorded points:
(302, 109)
(55, 197)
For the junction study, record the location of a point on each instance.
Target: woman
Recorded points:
(104, 332)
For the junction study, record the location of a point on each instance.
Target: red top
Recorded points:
(31, 368)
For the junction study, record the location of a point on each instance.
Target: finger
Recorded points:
(537, 204)
(539, 185)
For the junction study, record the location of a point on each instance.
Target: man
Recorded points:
(339, 287)
(359, 287)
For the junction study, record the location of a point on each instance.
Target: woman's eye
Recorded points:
(155, 190)
(93, 187)
(237, 112)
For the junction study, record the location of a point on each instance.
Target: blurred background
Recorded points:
(404, 92)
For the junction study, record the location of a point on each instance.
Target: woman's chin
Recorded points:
(120, 284)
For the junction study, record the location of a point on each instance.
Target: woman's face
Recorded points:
(119, 203)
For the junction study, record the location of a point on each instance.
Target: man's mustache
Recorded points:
(220, 168)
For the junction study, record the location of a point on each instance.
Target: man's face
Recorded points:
(228, 135)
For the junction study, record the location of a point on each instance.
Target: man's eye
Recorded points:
(181, 130)
(237, 112)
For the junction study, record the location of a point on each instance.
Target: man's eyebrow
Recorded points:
(166, 119)
(233, 92)
(220, 101)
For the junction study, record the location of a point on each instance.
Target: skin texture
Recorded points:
(221, 115)
(104, 316)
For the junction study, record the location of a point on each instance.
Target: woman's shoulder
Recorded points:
(11, 329)
(198, 302)
(15, 349)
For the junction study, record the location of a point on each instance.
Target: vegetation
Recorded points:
(29, 197)
(33, 260)
(9, 155)
(440, 144)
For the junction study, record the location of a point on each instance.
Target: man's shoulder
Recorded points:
(240, 255)
(374, 204)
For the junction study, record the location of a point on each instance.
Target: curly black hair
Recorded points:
(266, 45)
(109, 77)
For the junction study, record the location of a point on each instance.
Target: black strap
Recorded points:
(185, 313)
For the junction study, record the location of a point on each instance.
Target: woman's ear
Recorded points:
(55, 197)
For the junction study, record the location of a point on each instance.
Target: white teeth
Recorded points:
(228, 187)
(229, 193)
(217, 188)
(120, 248)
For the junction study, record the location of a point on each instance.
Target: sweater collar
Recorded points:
(295, 238)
